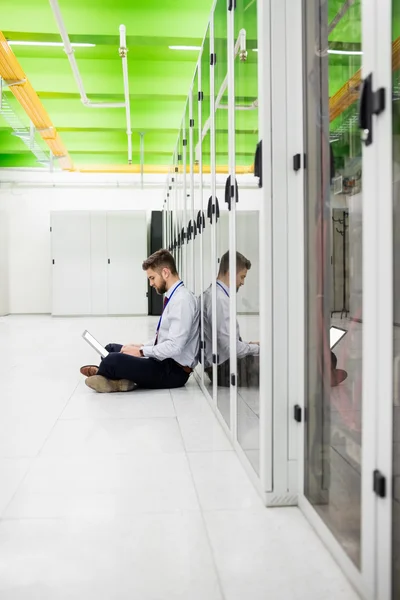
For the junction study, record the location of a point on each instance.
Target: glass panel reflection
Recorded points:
(396, 301)
(334, 269)
(247, 241)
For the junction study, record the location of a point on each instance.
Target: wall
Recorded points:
(26, 200)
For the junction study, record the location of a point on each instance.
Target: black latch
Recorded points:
(258, 163)
(54, 262)
(379, 486)
(191, 122)
(214, 357)
(109, 261)
(179, 157)
(185, 142)
(213, 59)
(201, 221)
(232, 5)
(216, 209)
(371, 103)
(176, 170)
(210, 209)
(297, 162)
(297, 413)
(233, 379)
(230, 192)
(200, 96)
(51, 229)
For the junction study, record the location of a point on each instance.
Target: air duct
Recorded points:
(75, 70)
(17, 82)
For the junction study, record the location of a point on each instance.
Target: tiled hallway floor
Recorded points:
(134, 496)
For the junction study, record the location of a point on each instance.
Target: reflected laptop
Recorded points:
(94, 343)
(336, 334)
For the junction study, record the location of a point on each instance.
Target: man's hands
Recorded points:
(132, 350)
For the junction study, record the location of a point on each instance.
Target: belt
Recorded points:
(186, 369)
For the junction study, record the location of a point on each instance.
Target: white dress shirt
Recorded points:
(178, 336)
(242, 348)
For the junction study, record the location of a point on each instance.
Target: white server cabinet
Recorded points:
(97, 263)
(127, 249)
(71, 289)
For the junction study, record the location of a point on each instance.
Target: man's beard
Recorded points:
(162, 289)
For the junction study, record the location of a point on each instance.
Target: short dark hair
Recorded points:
(241, 263)
(160, 260)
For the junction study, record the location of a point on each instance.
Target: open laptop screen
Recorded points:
(336, 334)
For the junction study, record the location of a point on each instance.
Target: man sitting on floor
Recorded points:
(166, 361)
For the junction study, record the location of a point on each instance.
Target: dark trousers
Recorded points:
(248, 372)
(145, 372)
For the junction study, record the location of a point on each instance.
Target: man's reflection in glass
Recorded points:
(248, 371)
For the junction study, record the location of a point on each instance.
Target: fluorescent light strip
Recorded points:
(346, 52)
(48, 44)
(197, 48)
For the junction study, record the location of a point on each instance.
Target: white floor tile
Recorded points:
(12, 472)
(85, 403)
(86, 486)
(203, 434)
(103, 437)
(145, 558)
(102, 495)
(191, 404)
(221, 481)
(24, 436)
(266, 554)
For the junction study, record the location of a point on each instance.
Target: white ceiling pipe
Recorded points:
(71, 57)
(123, 51)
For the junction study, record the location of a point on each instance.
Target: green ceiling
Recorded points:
(159, 78)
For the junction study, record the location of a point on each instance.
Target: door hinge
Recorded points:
(297, 162)
(379, 484)
(200, 96)
(109, 261)
(51, 229)
(297, 413)
(191, 123)
(54, 262)
(233, 379)
(213, 59)
(214, 357)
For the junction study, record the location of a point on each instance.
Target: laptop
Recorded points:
(336, 334)
(94, 343)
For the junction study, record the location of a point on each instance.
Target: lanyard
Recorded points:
(168, 300)
(223, 289)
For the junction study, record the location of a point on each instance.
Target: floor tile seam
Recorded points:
(207, 534)
(33, 458)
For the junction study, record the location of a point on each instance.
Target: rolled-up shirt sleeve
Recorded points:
(244, 349)
(180, 329)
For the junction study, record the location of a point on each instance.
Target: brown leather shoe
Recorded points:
(89, 370)
(337, 376)
(100, 384)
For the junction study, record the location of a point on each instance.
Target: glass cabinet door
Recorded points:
(334, 252)
(247, 240)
